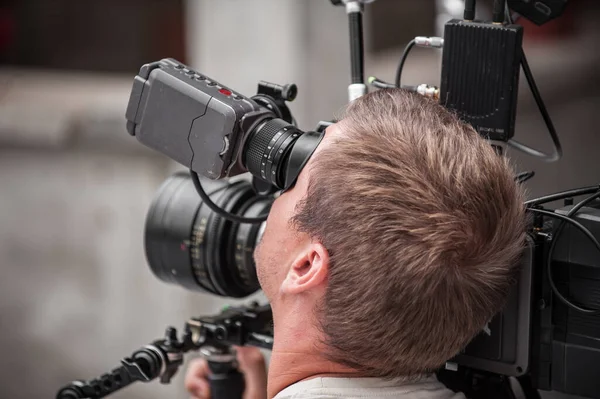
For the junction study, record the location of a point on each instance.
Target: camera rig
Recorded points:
(547, 336)
(212, 335)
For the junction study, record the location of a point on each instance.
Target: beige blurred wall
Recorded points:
(76, 294)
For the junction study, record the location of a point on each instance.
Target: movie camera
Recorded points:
(201, 230)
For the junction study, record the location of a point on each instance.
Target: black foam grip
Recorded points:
(227, 386)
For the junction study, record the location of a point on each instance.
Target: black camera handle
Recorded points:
(213, 336)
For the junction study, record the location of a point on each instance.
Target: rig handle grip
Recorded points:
(226, 382)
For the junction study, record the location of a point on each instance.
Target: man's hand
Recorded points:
(252, 365)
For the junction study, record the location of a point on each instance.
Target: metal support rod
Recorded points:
(357, 87)
(354, 10)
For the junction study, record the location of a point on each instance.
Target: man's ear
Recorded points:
(308, 271)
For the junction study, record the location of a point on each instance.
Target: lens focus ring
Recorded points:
(188, 244)
(266, 149)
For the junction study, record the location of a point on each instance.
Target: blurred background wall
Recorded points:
(76, 294)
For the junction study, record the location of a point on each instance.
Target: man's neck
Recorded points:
(296, 357)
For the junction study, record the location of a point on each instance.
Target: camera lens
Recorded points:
(268, 148)
(189, 245)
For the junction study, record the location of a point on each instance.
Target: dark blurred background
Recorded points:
(76, 294)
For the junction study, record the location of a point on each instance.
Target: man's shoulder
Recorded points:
(367, 388)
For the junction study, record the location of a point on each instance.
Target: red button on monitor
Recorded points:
(225, 91)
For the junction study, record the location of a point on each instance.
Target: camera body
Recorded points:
(207, 244)
(204, 119)
(215, 131)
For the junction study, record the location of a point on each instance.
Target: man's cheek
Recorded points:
(258, 263)
(258, 253)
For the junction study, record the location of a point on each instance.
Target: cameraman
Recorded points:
(395, 247)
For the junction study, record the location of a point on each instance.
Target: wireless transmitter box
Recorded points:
(480, 75)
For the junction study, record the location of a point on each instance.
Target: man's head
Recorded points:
(400, 239)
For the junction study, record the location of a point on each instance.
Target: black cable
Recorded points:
(542, 107)
(524, 176)
(215, 208)
(407, 49)
(568, 219)
(357, 58)
(469, 14)
(380, 84)
(557, 232)
(562, 195)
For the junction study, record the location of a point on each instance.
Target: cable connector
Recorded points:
(469, 14)
(429, 91)
(380, 84)
(423, 89)
(432, 42)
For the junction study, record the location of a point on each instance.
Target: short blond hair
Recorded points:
(424, 224)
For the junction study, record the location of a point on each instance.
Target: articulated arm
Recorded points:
(213, 335)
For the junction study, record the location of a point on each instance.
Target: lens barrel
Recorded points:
(267, 150)
(189, 245)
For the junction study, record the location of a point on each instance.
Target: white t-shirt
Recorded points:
(367, 388)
